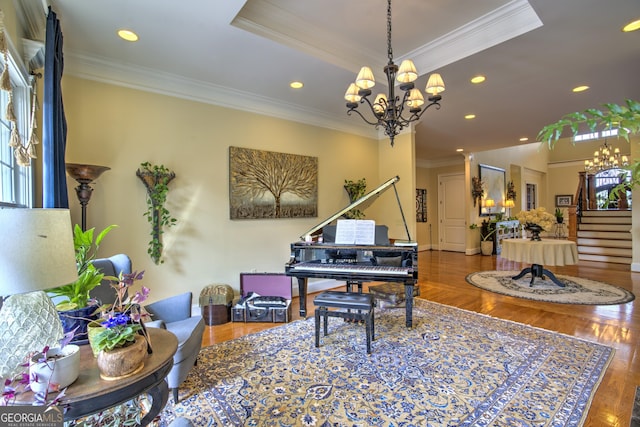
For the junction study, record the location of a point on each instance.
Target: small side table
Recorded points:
(539, 253)
(90, 394)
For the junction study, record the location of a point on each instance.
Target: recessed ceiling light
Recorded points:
(524, 138)
(128, 35)
(632, 26)
(470, 116)
(296, 85)
(478, 79)
(580, 88)
(459, 150)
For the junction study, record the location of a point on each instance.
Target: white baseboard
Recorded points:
(635, 266)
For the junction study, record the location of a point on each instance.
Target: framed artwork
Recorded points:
(421, 205)
(564, 200)
(266, 184)
(493, 183)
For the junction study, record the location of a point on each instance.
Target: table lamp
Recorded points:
(36, 253)
(489, 203)
(509, 204)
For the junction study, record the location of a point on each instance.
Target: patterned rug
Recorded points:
(576, 290)
(453, 368)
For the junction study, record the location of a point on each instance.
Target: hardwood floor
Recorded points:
(442, 280)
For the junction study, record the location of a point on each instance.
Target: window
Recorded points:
(16, 182)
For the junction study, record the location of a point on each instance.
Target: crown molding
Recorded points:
(155, 81)
(506, 22)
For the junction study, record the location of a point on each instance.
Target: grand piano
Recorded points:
(317, 255)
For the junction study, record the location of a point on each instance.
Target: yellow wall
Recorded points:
(121, 128)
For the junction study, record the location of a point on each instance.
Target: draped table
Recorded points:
(538, 253)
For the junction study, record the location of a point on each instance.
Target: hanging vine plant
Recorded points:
(156, 179)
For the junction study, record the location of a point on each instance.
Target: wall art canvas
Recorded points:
(421, 205)
(266, 184)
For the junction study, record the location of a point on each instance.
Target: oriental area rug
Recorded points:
(576, 290)
(453, 368)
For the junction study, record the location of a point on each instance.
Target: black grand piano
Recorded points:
(318, 256)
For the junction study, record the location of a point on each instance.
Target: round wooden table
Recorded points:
(90, 393)
(539, 253)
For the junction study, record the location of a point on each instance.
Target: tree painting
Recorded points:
(266, 184)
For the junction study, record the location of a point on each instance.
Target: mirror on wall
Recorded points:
(493, 180)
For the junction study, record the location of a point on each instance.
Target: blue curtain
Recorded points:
(54, 128)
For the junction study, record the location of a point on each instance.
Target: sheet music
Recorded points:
(355, 232)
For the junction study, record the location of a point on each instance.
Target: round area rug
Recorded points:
(576, 291)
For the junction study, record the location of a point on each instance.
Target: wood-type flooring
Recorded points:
(442, 279)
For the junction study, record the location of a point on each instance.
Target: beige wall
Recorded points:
(121, 128)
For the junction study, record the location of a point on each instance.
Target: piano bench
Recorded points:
(359, 307)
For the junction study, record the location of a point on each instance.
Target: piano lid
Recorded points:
(362, 202)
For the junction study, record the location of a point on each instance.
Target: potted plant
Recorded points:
(156, 179)
(559, 216)
(486, 231)
(76, 307)
(122, 345)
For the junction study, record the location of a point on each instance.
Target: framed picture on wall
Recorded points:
(421, 205)
(564, 200)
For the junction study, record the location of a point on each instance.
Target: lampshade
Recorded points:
(435, 84)
(365, 79)
(37, 251)
(352, 93)
(415, 99)
(509, 203)
(407, 72)
(489, 203)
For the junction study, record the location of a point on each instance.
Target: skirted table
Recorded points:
(539, 253)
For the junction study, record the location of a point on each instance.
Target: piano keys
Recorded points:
(381, 262)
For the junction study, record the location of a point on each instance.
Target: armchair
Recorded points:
(112, 266)
(174, 314)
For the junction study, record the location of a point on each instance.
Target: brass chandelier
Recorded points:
(605, 158)
(387, 110)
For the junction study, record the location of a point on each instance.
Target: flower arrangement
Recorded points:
(538, 216)
(122, 319)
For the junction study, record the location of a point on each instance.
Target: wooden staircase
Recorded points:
(605, 236)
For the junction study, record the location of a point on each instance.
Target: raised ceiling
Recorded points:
(244, 53)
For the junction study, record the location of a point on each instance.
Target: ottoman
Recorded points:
(215, 303)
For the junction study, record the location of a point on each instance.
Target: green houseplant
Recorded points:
(76, 294)
(76, 308)
(486, 231)
(625, 118)
(156, 179)
(559, 216)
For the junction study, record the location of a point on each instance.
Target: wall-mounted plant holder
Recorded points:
(156, 179)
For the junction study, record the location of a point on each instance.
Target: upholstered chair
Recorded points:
(174, 314)
(112, 266)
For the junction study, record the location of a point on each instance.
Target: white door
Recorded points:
(451, 211)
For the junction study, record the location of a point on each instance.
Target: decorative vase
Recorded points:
(77, 320)
(560, 219)
(535, 230)
(486, 247)
(61, 369)
(122, 362)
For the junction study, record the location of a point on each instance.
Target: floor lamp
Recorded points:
(37, 254)
(84, 175)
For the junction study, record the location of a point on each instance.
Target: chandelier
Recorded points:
(605, 158)
(387, 110)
